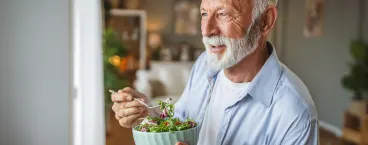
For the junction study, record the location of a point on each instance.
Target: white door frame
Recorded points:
(88, 126)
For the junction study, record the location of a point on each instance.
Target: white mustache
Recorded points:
(216, 40)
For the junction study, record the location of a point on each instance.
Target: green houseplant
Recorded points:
(357, 79)
(112, 48)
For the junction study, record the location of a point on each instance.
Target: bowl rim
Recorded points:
(136, 131)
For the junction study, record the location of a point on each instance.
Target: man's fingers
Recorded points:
(116, 97)
(123, 105)
(127, 94)
(121, 97)
(114, 107)
(133, 92)
(117, 117)
(181, 143)
(117, 106)
(134, 103)
(130, 111)
(127, 121)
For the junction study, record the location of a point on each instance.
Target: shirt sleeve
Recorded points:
(308, 135)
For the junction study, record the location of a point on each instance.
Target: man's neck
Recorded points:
(247, 69)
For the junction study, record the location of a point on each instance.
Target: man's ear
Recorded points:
(269, 19)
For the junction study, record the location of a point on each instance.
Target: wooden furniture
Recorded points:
(355, 128)
(119, 135)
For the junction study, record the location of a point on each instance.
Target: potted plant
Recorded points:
(357, 80)
(113, 51)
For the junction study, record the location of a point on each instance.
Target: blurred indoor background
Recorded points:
(151, 45)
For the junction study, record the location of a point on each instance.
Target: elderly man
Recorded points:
(238, 90)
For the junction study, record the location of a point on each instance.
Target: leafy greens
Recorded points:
(166, 122)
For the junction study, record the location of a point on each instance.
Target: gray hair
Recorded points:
(259, 7)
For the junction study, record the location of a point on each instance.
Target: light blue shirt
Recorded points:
(276, 109)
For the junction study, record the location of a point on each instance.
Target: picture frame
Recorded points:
(314, 18)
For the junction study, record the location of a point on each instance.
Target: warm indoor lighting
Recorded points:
(156, 24)
(154, 40)
(115, 60)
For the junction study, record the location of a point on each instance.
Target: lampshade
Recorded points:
(154, 40)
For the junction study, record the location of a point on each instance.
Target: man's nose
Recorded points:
(210, 27)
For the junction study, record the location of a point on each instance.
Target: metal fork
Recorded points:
(112, 91)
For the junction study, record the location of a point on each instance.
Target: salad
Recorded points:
(166, 122)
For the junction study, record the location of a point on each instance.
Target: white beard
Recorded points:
(236, 49)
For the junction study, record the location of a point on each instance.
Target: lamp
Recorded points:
(154, 40)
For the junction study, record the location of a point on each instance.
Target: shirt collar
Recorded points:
(264, 83)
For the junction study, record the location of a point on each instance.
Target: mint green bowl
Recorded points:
(166, 138)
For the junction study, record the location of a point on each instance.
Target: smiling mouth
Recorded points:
(217, 48)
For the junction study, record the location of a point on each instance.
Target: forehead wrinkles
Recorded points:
(213, 4)
(239, 5)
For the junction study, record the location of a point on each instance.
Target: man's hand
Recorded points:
(181, 143)
(128, 111)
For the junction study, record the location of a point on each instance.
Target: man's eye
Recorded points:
(204, 14)
(222, 14)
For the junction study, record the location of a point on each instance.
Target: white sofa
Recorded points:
(163, 80)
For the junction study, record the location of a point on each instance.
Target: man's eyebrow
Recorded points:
(216, 9)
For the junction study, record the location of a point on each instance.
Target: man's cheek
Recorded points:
(234, 29)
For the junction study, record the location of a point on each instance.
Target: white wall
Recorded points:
(321, 62)
(34, 72)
